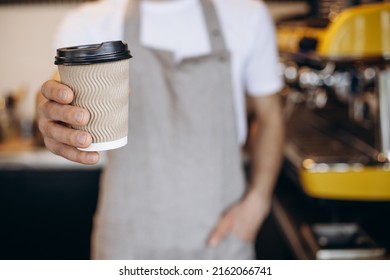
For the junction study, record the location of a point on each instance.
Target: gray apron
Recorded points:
(163, 193)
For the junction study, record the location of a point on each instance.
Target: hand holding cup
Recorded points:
(88, 110)
(56, 115)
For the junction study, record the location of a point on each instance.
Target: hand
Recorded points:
(54, 117)
(243, 219)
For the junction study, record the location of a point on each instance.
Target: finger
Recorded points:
(71, 153)
(65, 135)
(223, 227)
(58, 92)
(65, 113)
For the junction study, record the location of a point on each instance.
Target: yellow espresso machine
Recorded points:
(337, 109)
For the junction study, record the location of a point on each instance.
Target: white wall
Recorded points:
(26, 58)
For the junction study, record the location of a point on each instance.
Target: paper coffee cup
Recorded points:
(99, 77)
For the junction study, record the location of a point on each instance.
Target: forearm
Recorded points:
(267, 152)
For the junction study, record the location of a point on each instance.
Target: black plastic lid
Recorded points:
(91, 54)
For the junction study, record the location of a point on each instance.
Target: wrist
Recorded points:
(260, 191)
(258, 199)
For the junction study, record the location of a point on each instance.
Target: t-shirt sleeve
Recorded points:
(262, 74)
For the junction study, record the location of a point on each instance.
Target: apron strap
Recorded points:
(213, 26)
(217, 43)
(133, 21)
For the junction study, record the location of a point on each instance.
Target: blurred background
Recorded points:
(332, 200)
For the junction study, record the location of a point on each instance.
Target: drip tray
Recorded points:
(341, 241)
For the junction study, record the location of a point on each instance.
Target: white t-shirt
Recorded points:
(178, 26)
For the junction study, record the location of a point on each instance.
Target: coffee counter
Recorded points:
(41, 159)
(46, 203)
(23, 154)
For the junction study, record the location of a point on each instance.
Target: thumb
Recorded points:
(222, 228)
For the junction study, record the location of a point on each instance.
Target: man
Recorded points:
(177, 189)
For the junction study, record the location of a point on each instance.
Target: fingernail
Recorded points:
(92, 157)
(81, 138)
(64, 95)
(79, 117)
